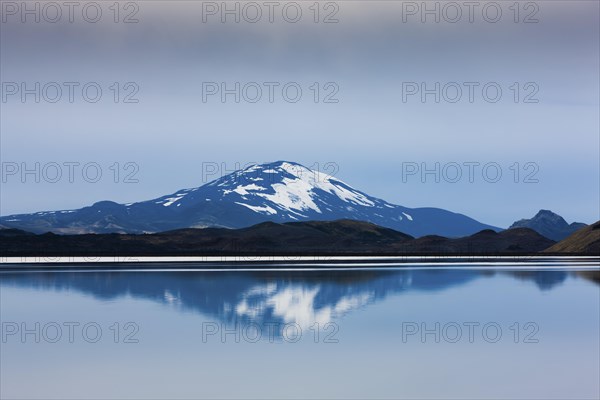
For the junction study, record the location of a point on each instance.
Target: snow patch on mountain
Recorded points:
(259, 209)
(294, 195)
(244, 190)
(170, 200)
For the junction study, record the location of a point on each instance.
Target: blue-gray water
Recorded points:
(192, 334)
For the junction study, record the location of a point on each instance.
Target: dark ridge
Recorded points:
(342, 237)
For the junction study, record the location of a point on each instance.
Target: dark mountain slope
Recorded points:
(549, 224)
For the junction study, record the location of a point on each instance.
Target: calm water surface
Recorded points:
(402, 333)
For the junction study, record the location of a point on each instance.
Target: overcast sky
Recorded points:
(369, 126)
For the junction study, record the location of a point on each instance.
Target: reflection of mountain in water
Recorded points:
(545, 281)
(302, 297)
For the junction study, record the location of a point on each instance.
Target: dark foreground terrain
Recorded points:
(343, 237)
(583, 241)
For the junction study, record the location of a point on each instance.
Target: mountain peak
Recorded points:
(279, 167)
(289, 189)
(549, 224)
(542, 212)
(547, 215)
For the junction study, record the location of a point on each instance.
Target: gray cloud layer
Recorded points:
(369, 133)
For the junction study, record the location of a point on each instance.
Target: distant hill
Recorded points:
(518, 240)
(584, 241)
(342, 237)
(549, 224)
(10, 232)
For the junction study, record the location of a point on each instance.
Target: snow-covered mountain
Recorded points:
(280, 192)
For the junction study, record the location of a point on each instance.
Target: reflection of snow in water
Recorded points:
(171, 298)
(295, 304)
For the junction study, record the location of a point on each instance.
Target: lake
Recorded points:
(455, 330)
